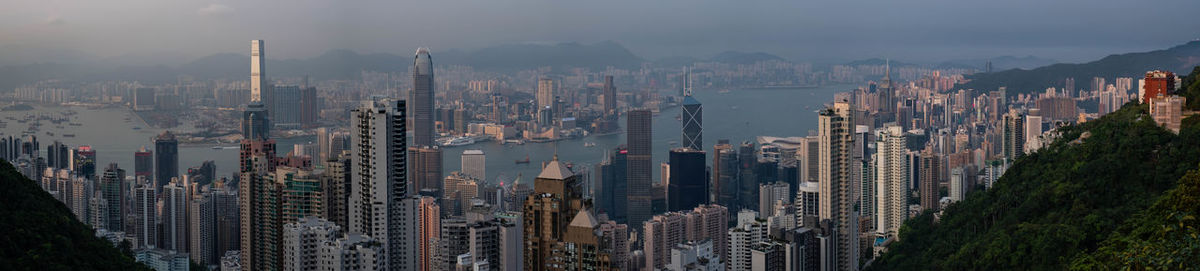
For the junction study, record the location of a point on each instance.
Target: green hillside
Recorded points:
(1113, 193)
(40, 233)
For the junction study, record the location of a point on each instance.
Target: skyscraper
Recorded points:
(640, 165)
(259, 83)
(474, 164)
(693, 128)
(421, 99)
(1156, 83)
(255, 122)
(83, 162)
(688, 185)
(58, 155)
(545, 93)
(725, 175)
(1014, 135)
(929, 179)
(285, 107)
(547, 213)
(174, 216)
(891, 180)
(425, 167)
(167, 162)
(336, 189)
(610, 97)
(381, 202)
(113, 191)
(611, 189)
(145, 225)
(835, 130)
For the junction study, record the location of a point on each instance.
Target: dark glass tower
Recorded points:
(612, 189)
(688, 186)
(693, 128)
(167, 161)
(255, 124)
(421, 99)
(640, 165)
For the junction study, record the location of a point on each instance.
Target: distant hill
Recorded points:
(1112, 193)
(1002, 63)
(879, 61)
(1177, 59)
(735, 57)
(40, 233)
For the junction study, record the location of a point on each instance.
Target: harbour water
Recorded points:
(738, 115)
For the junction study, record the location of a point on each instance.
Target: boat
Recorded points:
(68, 135)
(589, 144)
(49, 133)
(137, 128)
(216, 147)
(457, 141)
(526, 161)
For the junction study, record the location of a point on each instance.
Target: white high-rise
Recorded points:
(381, 202)
(892, 177)
(174, 216)
(838, 188)
(258, 72)
(474, 164)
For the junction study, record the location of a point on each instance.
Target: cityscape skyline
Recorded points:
(799, 154)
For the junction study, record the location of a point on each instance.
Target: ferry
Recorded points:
(68, 135)
(526, 161)
(456, 141)
(589, 144)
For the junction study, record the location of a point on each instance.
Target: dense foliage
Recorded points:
(39, 232)
(1061, 203)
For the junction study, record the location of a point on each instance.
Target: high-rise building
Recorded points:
(610, 188)
(610, 97)
(303, 241)
(212, 223)
(143, 163)
(835, 130)
(259, 204)
(1014, 135)
(693, 123)
(286, 107)
(174, 217)
(429, 226)
(310, 106)
(425, 167)
(725, 175)
(929, 180)
(474, 164)
(145, 214)
(891, 180)
(664, 231)
(749, 231)
(590, 244)
(695, 256)
(458, 191)
(167, 161)
(688, 184)
(302, 194)
(548, 211)
(640, 165)
(259, 83)
(83, 162)
(1157, 83)
(420, 100)
(769, 194)
(58, 155)
(336, 189)
(382, 205)
(256, 124)
(545, 93)
(112, 190)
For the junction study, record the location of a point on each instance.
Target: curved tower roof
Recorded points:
(423, 63)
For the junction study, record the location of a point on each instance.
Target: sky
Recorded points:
(804, 30)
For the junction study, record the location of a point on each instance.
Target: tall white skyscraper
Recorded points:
(174, 216)
(381, 202)
(145, 212)
(474, 164)
(891, 180)
(838, 195)
(259, 84)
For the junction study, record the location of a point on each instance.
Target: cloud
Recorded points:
(214, 10)
(53, 20)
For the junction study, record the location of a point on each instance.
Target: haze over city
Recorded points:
(172, 32)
